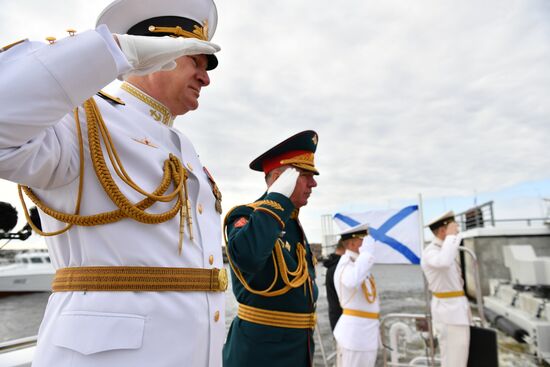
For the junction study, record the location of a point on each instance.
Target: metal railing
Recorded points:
(15, 344)
(477, 216)
(430, 350)
(481, 216)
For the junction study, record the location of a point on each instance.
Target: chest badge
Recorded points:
(215, 191)
(156, 115)
(146, 141)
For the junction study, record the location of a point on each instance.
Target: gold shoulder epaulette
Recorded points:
(111, 98)
(270, 203)
(7, 47)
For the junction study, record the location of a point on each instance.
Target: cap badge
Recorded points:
(314, 139)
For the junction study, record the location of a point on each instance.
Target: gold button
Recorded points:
(216, 316)
(200, 208)
(71, 32)
(211, 259)
(51, 40)
(190, 167)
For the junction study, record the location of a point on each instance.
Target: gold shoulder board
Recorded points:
(7, 47)
(111, 98)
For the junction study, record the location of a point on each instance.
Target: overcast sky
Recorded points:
(439, 97)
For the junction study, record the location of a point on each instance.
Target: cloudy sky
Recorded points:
(444, 98)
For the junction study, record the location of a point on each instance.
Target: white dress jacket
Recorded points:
(353, 332)
(40, 84)
(443, 275)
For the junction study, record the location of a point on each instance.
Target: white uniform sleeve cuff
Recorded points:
(121, 62)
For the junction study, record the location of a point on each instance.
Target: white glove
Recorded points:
(368, 245)
(150, 54)
(285, 183)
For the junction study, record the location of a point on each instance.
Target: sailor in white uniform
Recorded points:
(134, 217)
(357, 330)
(450, 309)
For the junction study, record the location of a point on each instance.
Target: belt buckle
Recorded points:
(222, 280)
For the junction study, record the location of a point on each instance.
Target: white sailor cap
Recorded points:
(180, 18)
(358, 231)
(441, 220)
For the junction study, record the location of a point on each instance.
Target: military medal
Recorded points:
(215, 191)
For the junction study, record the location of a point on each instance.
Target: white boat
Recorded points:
(520, 306)
(31, 272)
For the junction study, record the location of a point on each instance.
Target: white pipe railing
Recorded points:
(396, 329)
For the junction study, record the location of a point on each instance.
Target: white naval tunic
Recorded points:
(352, 333)
(39, 86)
(443, 275)
(451, 316)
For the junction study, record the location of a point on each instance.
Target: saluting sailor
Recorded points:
(357, 330)
(450, 308)
(132, 214)
(272, 264)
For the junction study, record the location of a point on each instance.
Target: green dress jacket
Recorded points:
(253, 232)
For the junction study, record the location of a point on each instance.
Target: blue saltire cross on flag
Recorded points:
(395, 231)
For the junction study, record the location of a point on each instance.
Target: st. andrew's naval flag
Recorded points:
(396, 232)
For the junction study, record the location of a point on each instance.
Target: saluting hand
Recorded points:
(285, 183)
(367, 246)
(452, 228)
(150, 54)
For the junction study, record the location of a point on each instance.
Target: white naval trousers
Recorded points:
(454, 341)
(355, 358)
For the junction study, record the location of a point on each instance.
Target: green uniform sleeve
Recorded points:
(253, 229)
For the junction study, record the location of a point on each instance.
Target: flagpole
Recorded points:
(426, 292)
(421, 222)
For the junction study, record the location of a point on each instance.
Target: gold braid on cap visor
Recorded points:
(198, 32)
(360, 235)
(302, 161)
(174, 174)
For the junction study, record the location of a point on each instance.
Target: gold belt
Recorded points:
(139, 279)
(363, 314)
(289, 320)
(451, 294)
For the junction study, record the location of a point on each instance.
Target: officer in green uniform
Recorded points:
(272, 265)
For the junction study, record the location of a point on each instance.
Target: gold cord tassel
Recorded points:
(187, 209)
(368, 296)
(300, 274)
(174, 174)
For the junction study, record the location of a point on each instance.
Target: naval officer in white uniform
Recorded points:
(357, 330)
(133, 215)
(450, 309)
